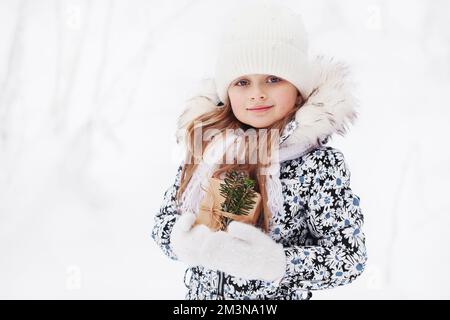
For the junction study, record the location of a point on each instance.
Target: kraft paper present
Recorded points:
(211, 214)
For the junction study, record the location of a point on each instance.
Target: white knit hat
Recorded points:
(263, 38)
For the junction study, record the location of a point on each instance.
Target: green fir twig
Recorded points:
(238, 191)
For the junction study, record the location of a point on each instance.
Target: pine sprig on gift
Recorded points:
(238, 191)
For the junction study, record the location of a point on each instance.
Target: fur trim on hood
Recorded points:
(329, 109)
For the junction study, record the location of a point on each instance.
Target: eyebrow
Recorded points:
(246, 77)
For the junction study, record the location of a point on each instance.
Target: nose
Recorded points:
(259, 95)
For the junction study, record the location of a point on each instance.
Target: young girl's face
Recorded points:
(248, 93)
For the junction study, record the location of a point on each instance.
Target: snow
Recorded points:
(90, 92)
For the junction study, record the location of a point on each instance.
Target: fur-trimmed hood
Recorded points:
(329, 109)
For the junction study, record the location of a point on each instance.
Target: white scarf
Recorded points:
(220, 144)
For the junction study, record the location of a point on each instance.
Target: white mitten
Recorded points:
(244, 251)
(186, 241)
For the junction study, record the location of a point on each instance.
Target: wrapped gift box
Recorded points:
(210, 211)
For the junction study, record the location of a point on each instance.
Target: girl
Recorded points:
(309, 235)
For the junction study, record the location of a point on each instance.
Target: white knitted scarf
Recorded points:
(192, 196)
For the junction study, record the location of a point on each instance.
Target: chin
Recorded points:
(259, 124)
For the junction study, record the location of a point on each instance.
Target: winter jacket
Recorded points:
(321, 223)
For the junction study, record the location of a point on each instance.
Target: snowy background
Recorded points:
(89, 96)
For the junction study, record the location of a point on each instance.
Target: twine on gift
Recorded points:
(217, 214)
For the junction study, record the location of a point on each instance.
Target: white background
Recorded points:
(90, 92)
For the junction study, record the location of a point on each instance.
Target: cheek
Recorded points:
(237, 103)
(235, 98)
(286, 99)
(235, 109)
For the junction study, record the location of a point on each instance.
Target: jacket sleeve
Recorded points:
(166, 217)
(338, 254)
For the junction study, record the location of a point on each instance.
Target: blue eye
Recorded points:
(237, 83)
(273, 77)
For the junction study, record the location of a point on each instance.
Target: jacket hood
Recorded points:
(328, 110)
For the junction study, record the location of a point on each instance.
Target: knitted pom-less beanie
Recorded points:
(263, 38)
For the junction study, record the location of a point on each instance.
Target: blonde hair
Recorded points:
(220, 120)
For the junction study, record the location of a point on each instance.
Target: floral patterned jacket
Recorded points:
(320, 229)
(321, 223)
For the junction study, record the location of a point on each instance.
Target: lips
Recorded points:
(259, 108)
